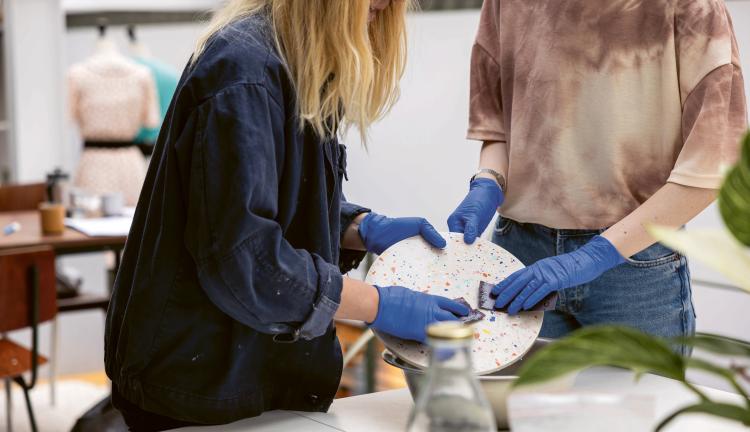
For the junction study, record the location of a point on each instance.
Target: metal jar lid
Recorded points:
(450, 330)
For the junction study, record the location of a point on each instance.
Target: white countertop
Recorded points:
(388, 411)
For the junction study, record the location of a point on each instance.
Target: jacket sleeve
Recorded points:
(245, 266)
(350, 259)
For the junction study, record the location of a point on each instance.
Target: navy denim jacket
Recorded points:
(223, 306)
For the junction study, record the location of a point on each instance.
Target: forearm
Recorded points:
(673, 205)
(494, 156)
(359, 301)
(352, 240)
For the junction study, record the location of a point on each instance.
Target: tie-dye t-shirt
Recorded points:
(602, 102)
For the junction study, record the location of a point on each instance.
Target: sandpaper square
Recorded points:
(475, 315)
(487, 302)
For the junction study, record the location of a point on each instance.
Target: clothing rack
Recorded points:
(114, 18)
(90, 13)
(84, 13)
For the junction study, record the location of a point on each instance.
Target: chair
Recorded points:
(27, 298)
(27, 197)
(22, 196)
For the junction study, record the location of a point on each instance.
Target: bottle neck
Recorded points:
(453, 354)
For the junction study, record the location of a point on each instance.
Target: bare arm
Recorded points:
(673, 205)
(494, 156)
(359, 301)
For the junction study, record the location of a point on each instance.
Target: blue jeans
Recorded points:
(651, 292)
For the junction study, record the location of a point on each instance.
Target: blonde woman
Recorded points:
(232, 275)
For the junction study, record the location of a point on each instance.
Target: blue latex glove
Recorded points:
(476, 210)
(406, 314)
(379, 232)
(527, 287)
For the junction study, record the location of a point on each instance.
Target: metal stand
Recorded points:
(34, 318)
(8, 406)
(26, 387)
(53, 363)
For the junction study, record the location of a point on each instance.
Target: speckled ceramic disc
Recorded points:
(499, 339)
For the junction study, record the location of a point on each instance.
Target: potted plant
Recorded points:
(725, 250)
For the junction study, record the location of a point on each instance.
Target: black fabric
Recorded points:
(109, 144)
(146, 148)
(102, 417)
(235, 240)
(138, 420)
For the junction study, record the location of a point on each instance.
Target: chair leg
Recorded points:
(53, 362)
(22, 383)
(8, 406)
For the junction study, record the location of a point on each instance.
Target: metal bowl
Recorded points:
(496, 386)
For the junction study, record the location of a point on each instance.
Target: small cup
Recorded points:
(112, 204)
(52, 218)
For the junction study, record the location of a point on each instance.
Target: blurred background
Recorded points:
(418, 161)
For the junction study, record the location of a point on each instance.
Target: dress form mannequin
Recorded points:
(111, 98)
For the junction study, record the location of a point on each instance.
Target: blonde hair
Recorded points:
(345, 70)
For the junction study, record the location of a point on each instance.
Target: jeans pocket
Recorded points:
(502, 226)
(653, 256)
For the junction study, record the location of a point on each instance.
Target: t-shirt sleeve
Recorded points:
(714, 109)
(485, 100)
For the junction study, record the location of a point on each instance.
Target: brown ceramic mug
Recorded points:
(52, 217)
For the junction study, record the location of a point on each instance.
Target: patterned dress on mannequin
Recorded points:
(111, 99)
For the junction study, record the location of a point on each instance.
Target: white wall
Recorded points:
(419, 161)
(33, 55)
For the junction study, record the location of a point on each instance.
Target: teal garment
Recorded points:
(166, 78)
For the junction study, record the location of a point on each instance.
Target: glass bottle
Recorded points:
(450, 398)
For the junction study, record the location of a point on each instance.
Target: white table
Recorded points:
(388, 411)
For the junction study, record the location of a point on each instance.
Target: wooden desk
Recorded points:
(68, 242)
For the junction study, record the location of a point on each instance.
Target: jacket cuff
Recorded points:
(330, 284)
(349, 212)
(350, 259)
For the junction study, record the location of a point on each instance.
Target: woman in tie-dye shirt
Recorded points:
(598, 117)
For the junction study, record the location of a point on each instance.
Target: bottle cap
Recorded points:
(450, 330)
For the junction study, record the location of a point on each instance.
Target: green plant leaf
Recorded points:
(717, 344)
(734, 196)
(716, 248)
(603, 346)
(727, 411)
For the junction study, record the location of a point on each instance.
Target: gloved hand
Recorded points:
(476, 210)
(528, 286)
(406, 314)
(379, 232)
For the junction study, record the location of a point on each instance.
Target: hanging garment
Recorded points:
(111, 99)
(103, 170)
(166, 78)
